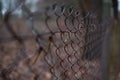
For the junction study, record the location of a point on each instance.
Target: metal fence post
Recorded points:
(105, 54)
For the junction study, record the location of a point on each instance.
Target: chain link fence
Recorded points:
(58, 43)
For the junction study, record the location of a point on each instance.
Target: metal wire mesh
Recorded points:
(61, 44)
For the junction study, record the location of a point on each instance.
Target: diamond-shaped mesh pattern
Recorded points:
(56, 44)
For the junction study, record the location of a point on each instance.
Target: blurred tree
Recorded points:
(95, 6)
(115, 7)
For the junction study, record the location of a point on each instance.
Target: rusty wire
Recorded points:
(69, 49)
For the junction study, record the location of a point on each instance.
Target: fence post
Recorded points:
(105, 53)
(0, 10)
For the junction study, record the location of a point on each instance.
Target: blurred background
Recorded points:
(28, 27)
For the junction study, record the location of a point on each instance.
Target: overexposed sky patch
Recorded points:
(119, 5)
